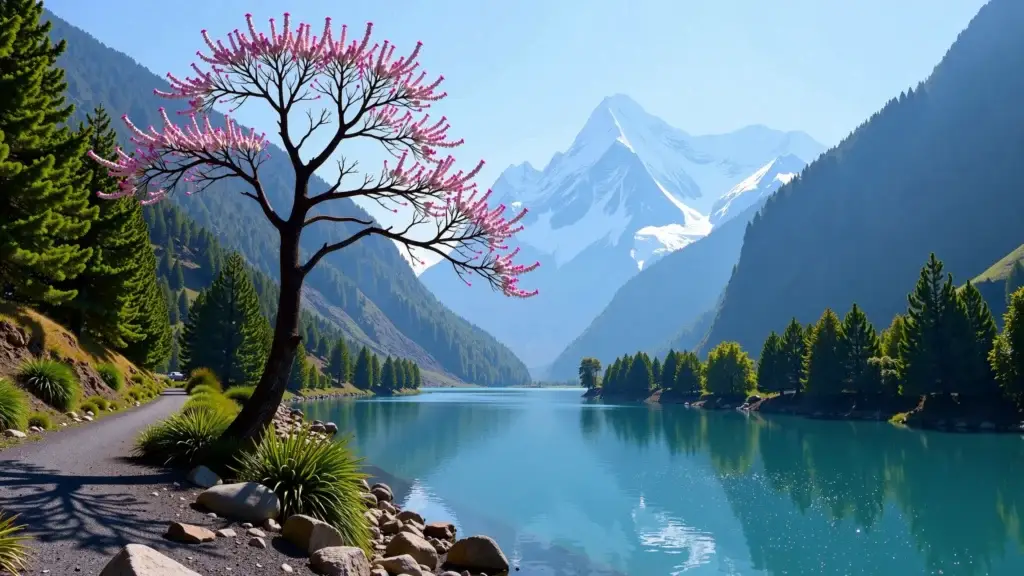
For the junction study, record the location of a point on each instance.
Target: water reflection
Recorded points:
(817, 497)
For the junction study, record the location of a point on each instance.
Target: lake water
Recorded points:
(569, 487)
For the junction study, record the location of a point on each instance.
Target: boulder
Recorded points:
(310, 534)
(331, 428)
(139, 560)
(479, 554)
(204, 477)
(440, 530)
(391, 527)
(365, 485)
(412, 528)
(407, 515)
(415, 546)
(12, 433)
(246, 501)
(189, 534)
(404, 564)
(340, 561)
(379, 572)
(386, 506)
(382, 492)
(324, 535)
(317, 428)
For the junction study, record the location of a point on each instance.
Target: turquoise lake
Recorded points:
(569, 487)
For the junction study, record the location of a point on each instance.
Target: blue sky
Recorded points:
(523, 76)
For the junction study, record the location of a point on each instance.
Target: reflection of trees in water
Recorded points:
(960, 497)
(408, 436)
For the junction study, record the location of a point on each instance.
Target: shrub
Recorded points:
(314, 477)
(135, 394)
(41, 420)
(202, 377)
(111, 376)
(99, 401)
(182, 439)
(139, 379)
(88, 406)
(51, 382)
(240, 394)
(13, 551)
(216, 402)
(13, 407)
(203, 389)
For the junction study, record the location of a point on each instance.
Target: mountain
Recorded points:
(992, 283)
(367, 286)
(757, 186)
(938, 169)
(629, 190)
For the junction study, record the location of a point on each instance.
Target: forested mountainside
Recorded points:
(368, 284)
(936, 170)
(1000, 280)
(649, 310)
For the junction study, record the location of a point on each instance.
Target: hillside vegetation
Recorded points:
(366, 286)
(936, 170)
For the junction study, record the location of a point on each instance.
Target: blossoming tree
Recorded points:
(368, 94)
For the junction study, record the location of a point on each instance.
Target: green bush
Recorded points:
(216, 402)
(314, 477)
(13, 407)
(52, 382)
(182, 439)
(135, 394)
(111, 376)
(41, 420)
(240, 394)
(203, 389)
(202, 377)
(139, 380)
(13, 551)
(88, 406)
(99, 401)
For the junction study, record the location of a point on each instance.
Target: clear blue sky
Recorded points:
(524, 75)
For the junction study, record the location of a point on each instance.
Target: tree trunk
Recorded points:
(259, 411)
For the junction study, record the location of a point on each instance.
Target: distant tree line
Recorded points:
(946, 343)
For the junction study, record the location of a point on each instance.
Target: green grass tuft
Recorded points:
(203, 389)
(13, 551)
(182, 439)
(111, 376)
(240, 394)
(88, 406)
(314, 477)
(41, 420)
(50, 381)
(203, 377)
(13, 407)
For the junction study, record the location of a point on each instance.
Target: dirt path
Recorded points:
(82, 500)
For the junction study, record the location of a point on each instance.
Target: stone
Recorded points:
(324, 535)
(331, 428)
(382, 492)
(203, 477)
(404, 564)
(340, 561)
(406, 515)
(317, 428)
(287, 569)
(391, 527)
(449, 573)
(225, 533)
(415, 546)
(298, 529)
(189, 534)
(245, 501)
(12, 433)
(256, 532)
(411, 528)
(365, 485)
(370, 500)
(440, 530)
(386, 506)
(371, 518)
(257, 542)
(479, 554)
(139, 560)
(271, 525)
(378, 572)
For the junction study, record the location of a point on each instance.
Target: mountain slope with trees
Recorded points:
(368, 281)
(936, 170)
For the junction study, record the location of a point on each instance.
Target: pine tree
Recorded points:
(387, 376)
(977, 378)
(311, 378)
(44, 205)
(794, 348)
(656, 372)
(1014, 279)
(588, 373)
(297, 376)
(182, 304)
(362, 374)
(177, 277)
(690, 374)
(668, 370)
(861, 345)
(730, 371)
(338, 364)
(410, 374)
(375, 363)
(1007, 355)
(825, 359)
(640, 376)
(928, 347)
(400, 374)
(155, 346)
(771, 376)
(233, 339)
(417, 378)
(609, 382)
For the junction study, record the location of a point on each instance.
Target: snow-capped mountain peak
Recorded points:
(762, 183)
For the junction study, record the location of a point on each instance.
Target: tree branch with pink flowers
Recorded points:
(349, 88)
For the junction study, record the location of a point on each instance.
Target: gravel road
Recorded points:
(83, 499)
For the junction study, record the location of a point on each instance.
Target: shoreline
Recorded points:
(342, 393)
(938, 413)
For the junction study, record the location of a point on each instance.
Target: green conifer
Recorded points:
(338, 363)
(297, 376)
(980, 333)
(668, 370)
(861, 345)
(928, 349)
(362, 373)
(690, 374)
(771, 375)
(825, 359)
(375, 364)
(794, 348)
(730, 371)
(1007, 355)
(417, 378)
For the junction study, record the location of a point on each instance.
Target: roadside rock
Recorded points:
(405, 543)
(257, 542)
(225, 533)
(246, 501)
(404, 564)
(139, 560)
(324, 535)
(271, 525)
(479, 554)
(299, 529)
(12, 433)
(189, 534)
(340, 561)
(204, 477)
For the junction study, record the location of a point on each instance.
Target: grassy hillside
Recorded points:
(936, 170)
(368, 281)
(999, 271)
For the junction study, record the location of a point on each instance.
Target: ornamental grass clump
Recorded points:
(182, 439)
(52, 382)
(202, 377)
(311, 476)
(40, 420)
(240, 394)
(13, 407)
(111, 376)
(13, 551)
(215, 402)
(203, 389)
